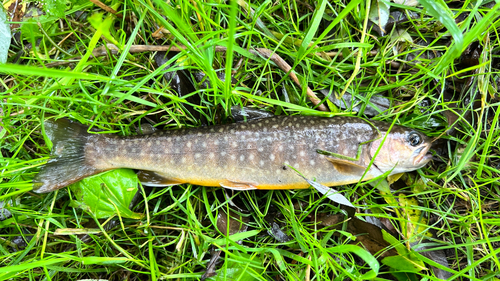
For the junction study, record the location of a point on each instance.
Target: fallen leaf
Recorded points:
(231, 224)
(331, 193)
(379, 13)
(410, 3)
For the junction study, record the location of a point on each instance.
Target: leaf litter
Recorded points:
(452, 106)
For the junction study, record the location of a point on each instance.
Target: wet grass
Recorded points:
(447, 91)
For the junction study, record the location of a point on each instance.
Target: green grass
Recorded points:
(328, 47)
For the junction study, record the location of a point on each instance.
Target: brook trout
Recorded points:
(258, 154)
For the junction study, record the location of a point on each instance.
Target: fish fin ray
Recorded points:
(346, 167)
(150, 178)
(68, 163)
(238, 185)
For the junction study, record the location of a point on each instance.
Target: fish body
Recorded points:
(267, 153)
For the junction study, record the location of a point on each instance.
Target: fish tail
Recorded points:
(68, 163)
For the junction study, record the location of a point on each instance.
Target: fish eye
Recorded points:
(414, 139)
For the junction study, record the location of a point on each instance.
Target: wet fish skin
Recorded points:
(258, 154)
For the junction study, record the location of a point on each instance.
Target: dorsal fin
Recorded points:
(242, 114)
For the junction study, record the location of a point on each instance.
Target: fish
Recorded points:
(277, 152)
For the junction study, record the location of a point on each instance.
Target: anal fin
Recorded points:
(150, 178)
(346, 167)
(238, 185)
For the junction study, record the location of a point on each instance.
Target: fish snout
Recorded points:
(423, 156)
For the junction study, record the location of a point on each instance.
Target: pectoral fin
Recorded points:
(393, 178)
(237, 185)
(155, 179)
(346, 167)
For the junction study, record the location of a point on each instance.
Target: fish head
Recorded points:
(403, 150)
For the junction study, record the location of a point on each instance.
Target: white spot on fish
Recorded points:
(256, 135)
(312, 162)
(261, 162)
(223, 153)
(278, 171)
(253, 125)
(306, 128)
(189, 144)
(242, 158)
(251, 157)
(242, 137)
(123, 141)
(199, 134)
(249, 146)
(233, 157)
(204, 144)
(275, 126)
(183, 160)
(302, 153)
(221, 130)
(267, 121)
(296, 166)
(232, 131)
(313, 121)
(264, 130)
(226, 138)
(234, 144)
(271, 157)
(197, 155)
(216, 142)
(260, 149)
(212, 130)
(280, 148)
(211, 155)
(243, 126)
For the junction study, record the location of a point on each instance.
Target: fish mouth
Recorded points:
(423, 156)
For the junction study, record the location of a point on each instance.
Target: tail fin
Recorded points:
(68, 163)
